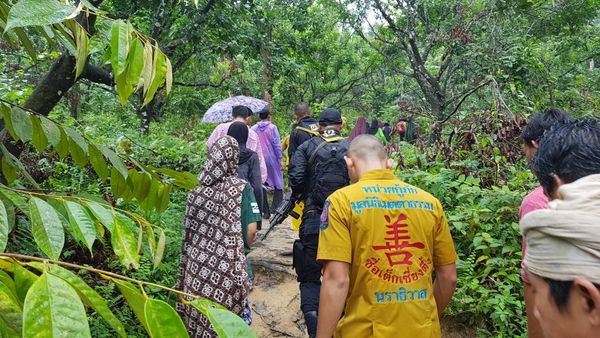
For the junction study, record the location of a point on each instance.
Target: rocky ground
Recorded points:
(275, 299)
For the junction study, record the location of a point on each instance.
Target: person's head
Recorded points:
(537, 124)
(264, 114)
(239, 131)
(241, 113)
(221, 161)
(331, 118)
(566, 308)
(302, 110)
(567, 152)
(366, 153)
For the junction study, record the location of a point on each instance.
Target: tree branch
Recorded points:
(466, 94)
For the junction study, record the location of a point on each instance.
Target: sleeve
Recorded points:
(276, 141)
(250, 211)
(292, 145)
(254, 145)
(214, 136)
(335, 242)
(443, 245)
(531, 202)
(298, 169)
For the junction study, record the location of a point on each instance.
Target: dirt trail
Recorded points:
(275, 299)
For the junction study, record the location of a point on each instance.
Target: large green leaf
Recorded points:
(88, 295)
(102, 214)
(6, 331)
(21, 124)
(98, 162)
(51, 130)
(16, 200)
(124, 88)
(62, 147)
(8, 282)
(53, 309)
(135, 62)
(160, 249)
(82, 40)
(82, 223)
(124, 244)
(77, 147)
(24, 279)
(6, 116)
(38, 138)
(115, 160)
(134, 298)
(4, 227)
(160, 74)
(119, 44)
(46, 227)
(184, 179)
(38, 13)
(224, 322)
(8, 170)
(162, 320)
(10, 309)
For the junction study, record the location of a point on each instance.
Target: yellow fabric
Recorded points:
(298, 209)
(393, 235)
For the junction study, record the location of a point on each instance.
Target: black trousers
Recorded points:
(306, 266)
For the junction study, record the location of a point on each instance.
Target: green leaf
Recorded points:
(39, 13)
(6, 116)
(124, 244)
(16, 200)
(115, 160)
(160, 73)
(4, 227)
(46, 227)
(26, 42)
(8, 170)
(224, 322)
(141, 182)
(62, 148)
(14, 163)
(162, 320)
(81, 223)
(181, 179)
(98, 162)
(148, 71)
(119, 44)
(10, 310)
(51, 130)
(77, 147)
(10, 212)
(169, 76)
(160, 249)
(135, 62)
(152, 200)
(118, 185)
(83, 49)
(24, 279)
(38, 139)
(88, 295)
(102, 214)
(124, 88)
(9, 283)
(53, 309)
(135, 299)
(6, 331)
(21, 124)
(163, 193)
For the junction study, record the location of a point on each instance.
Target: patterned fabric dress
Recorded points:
(213, 263)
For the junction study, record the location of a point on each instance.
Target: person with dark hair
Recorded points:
(305, 128)
(248, 170)
(214, 236)
(316, 171)
(361, 128)
(380, 242)
(270, 143)
(536, 126)
(241, 114)
(563, 241)
(376, 131)
(387, 131)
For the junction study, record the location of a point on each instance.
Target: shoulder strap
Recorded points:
(313, 156)
(312, 132)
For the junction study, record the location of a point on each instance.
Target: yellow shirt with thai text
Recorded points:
(393, 235)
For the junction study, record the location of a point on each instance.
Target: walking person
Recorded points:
(241, 114)
(361, 128)
(317, 170)
(380, 241)
(270, 143)
(213, 237)
(562, 260)
(536, 126)
(305, 128)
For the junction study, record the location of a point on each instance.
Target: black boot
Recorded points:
(310, 319)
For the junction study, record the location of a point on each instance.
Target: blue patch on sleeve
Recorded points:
(325, 217)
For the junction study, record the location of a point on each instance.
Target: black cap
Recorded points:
(330, 116)
(241, 111)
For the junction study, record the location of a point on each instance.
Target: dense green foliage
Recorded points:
(97, 156)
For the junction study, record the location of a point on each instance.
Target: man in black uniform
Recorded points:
(316, 171)
(304, 129)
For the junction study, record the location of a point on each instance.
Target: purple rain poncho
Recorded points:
(270, 143)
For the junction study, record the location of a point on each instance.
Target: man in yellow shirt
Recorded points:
(379, 243)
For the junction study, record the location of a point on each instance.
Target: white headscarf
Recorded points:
(563, 241)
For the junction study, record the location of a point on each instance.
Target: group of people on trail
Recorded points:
(375, 256)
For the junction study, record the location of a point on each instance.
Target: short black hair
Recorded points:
(539, 122)
(570, 151)
(264, 114)
(241, 111)
(560, 291)
(302, 109)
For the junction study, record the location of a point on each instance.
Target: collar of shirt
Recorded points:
(378, 174)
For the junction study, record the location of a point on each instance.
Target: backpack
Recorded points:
(330, 169)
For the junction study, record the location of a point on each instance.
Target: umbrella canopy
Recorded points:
(221, 111)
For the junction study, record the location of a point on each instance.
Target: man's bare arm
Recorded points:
(334, 289)
(444, 286)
